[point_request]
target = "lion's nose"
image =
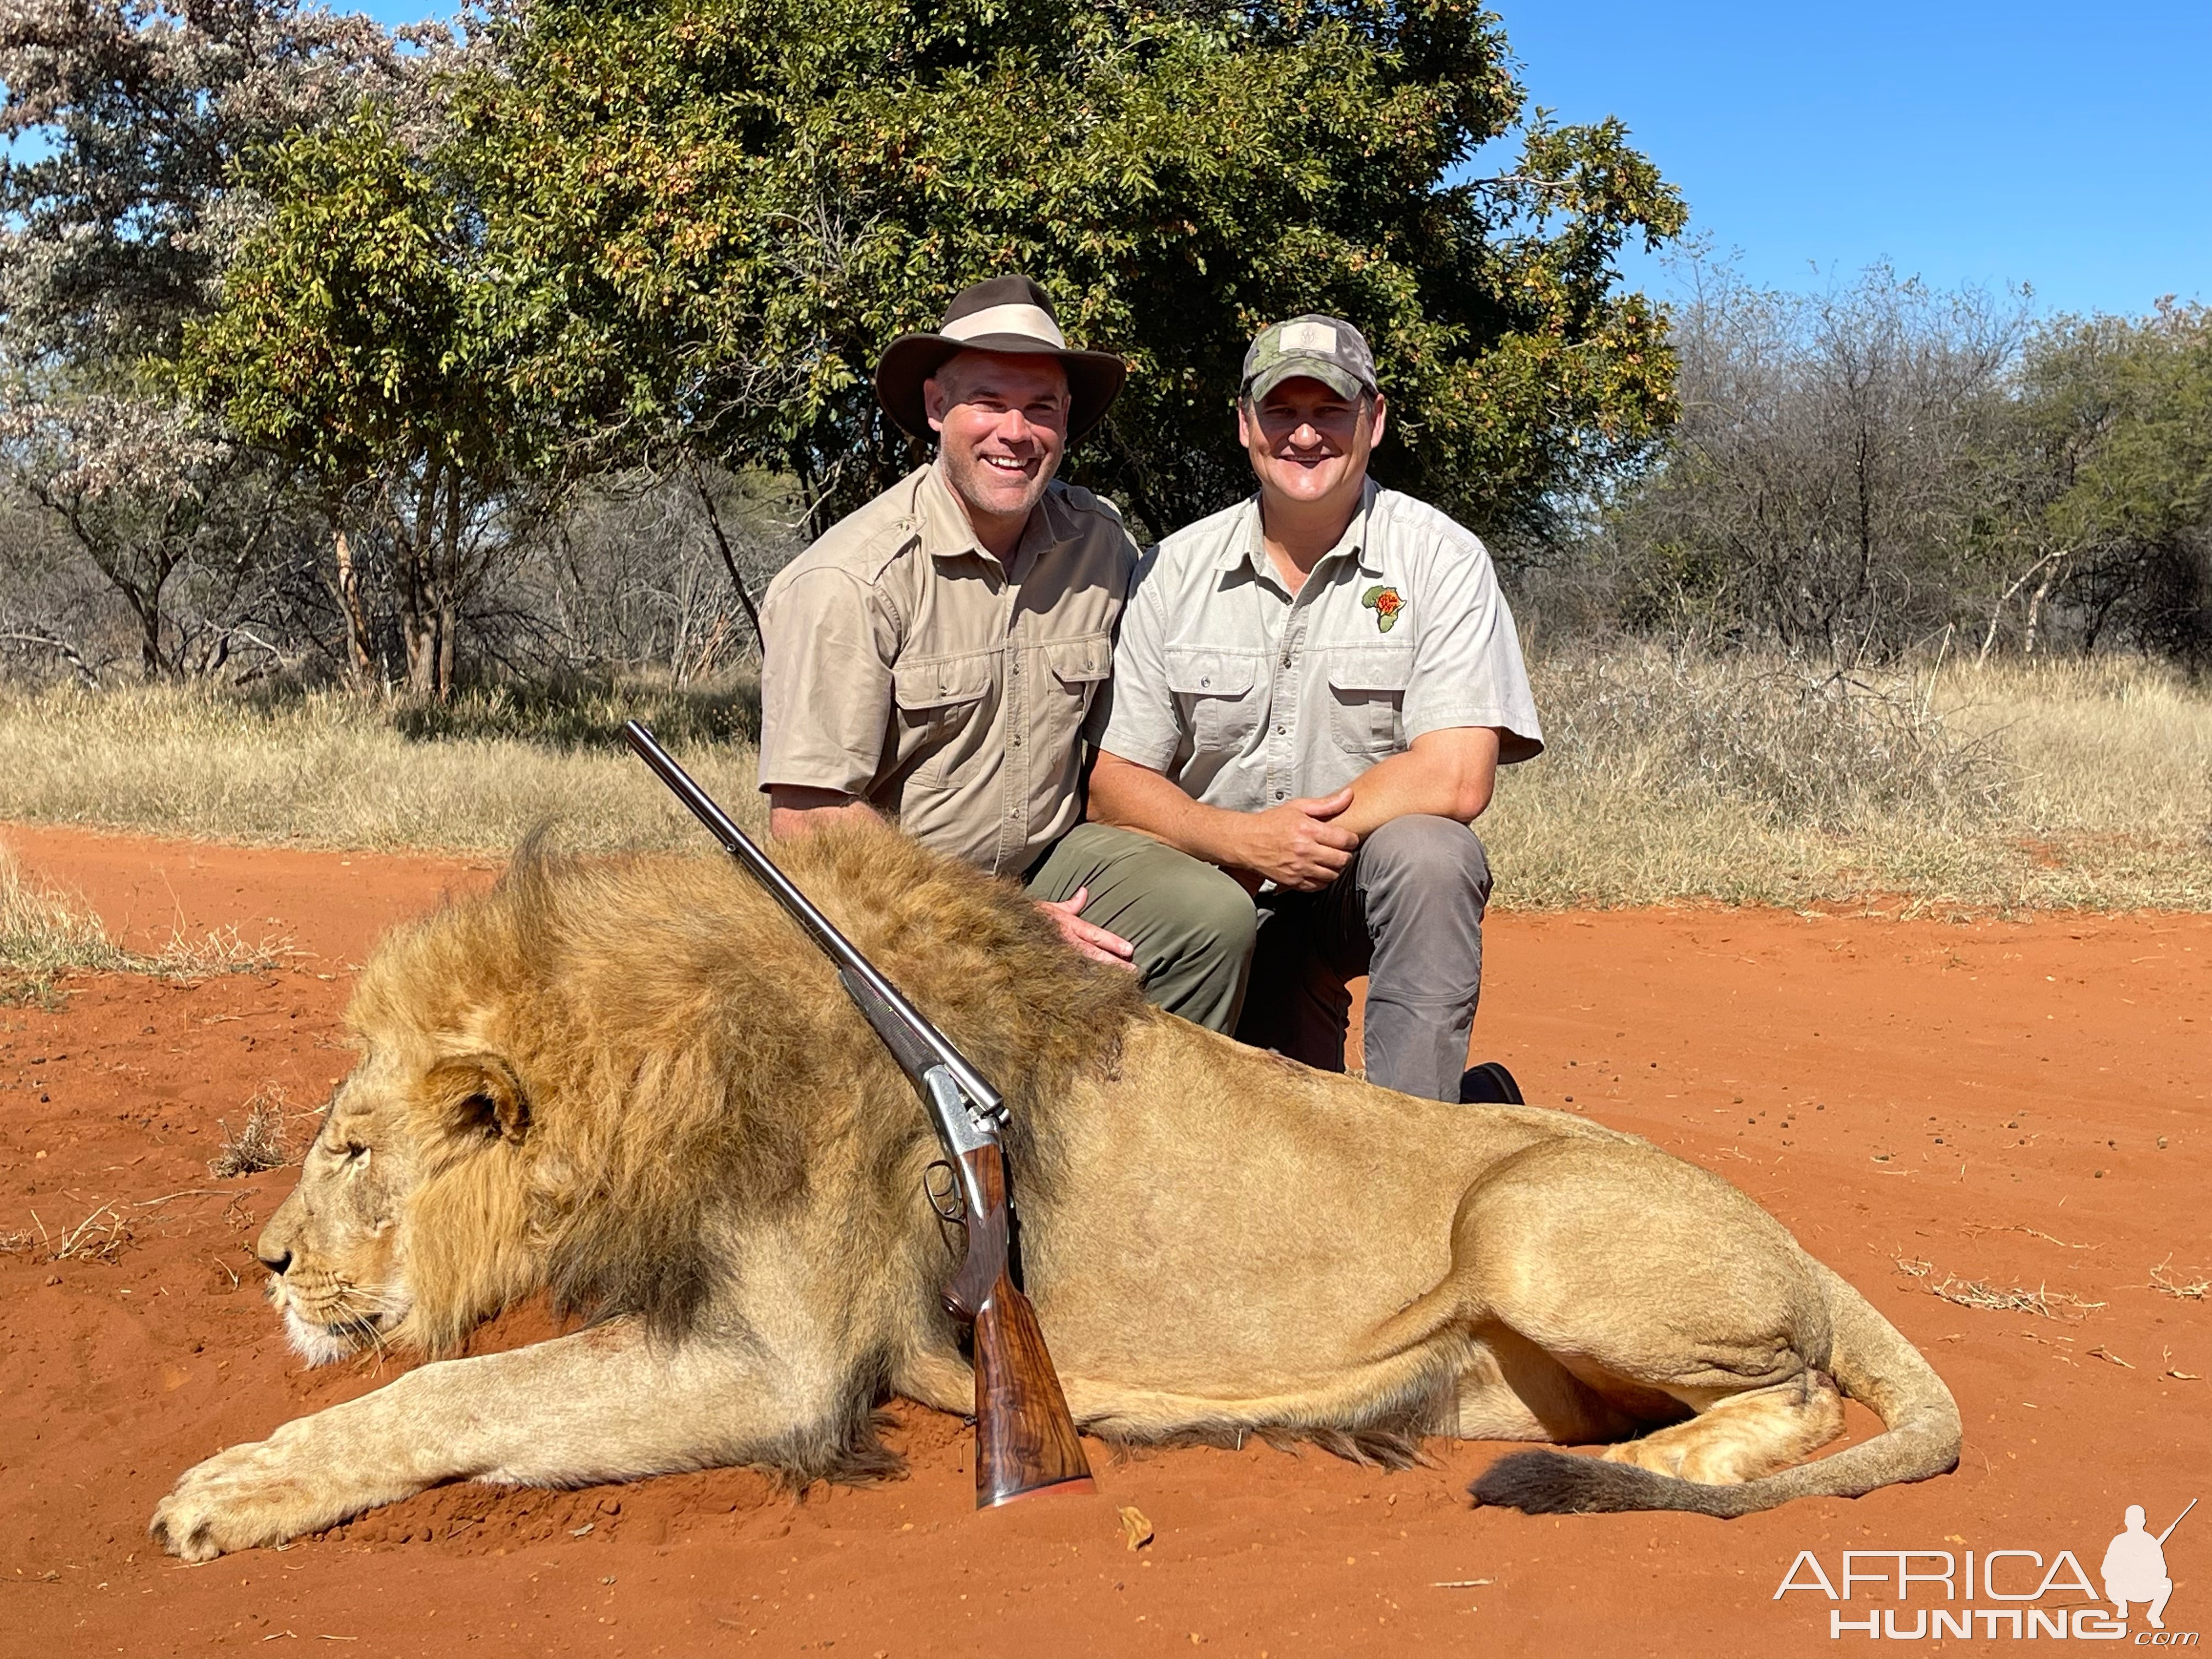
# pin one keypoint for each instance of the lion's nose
(275, 1257)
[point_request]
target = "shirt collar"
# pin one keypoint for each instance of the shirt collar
(1243, 548)
(947, 533)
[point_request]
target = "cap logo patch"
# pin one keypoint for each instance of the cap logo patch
(1386, 603)
(1309, 337)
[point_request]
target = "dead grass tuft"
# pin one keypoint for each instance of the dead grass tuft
(101, 1236)
(2042, 1301)
(2186, 1290)
(259, 1142)
(221, 951)
(44, 933)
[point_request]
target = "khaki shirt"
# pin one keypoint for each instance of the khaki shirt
(1247, 696)
(906, 665)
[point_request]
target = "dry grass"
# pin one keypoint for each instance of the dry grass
(101, 1236)
(328, 770)
(45, 933)
(2011, 787)
(2042, 1301)
(2184, 1290)
(1745, 781)
(258, 1143)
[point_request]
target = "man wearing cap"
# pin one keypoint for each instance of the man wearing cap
(937, 656)
(1313, 689)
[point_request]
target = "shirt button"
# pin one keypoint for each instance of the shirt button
(1282, 731)
(1279, 794)
(1203, 685)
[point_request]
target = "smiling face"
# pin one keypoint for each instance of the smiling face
(1002, 422)
(1309, 443)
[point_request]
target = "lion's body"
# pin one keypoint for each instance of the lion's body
(637, 1086)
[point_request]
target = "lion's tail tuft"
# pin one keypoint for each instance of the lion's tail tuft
(1557, 1483)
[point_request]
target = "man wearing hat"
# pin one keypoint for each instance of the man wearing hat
(1313, 689)
(938, 656)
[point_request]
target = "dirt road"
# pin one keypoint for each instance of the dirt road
(2022, 1104)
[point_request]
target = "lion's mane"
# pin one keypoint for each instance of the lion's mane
(624, 1063)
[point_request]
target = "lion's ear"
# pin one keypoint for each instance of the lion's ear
(482, 1095)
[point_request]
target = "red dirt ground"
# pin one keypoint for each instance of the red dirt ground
(2021, 1103)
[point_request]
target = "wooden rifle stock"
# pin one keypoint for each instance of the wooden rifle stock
(1025, 1441)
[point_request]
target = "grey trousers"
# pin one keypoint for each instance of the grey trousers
(1192, 925)
(1407, 913)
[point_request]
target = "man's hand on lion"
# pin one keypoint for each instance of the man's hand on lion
(1088, 938)
(1296, 845)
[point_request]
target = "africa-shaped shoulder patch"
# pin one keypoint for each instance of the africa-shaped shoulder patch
(1386, 603)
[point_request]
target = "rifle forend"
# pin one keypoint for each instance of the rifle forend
(1025, 1440)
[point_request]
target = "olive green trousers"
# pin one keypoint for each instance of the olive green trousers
(1192, 926)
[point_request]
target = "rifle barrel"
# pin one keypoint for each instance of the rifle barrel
(2178, 1520)
(741, 847)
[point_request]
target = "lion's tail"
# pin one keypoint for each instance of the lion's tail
(1872, 1363)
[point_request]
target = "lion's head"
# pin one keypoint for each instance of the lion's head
(407, 1118)
(590, 1078)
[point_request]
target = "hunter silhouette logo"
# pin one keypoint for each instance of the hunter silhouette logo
(2022, 1595)
(2135, 1566)
(1386, 603)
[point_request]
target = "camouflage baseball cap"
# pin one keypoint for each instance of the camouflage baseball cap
(1326, 348)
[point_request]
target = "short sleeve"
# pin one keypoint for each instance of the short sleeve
(1140, 722)
(1467, 669)
(825, 682)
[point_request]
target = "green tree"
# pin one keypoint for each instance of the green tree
(124, 121)
(712, 213)
(361, 339)
(2116, 421)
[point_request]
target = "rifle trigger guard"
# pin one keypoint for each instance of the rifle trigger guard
(945, 1202)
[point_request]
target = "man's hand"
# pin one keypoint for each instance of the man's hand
(1296, 844)
(1091, 939)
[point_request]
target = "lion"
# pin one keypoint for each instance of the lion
(632, 1085)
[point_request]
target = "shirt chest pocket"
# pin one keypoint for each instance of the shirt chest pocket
(941, 709)
(1367, 698)
(1217, 695)
(1079, 666)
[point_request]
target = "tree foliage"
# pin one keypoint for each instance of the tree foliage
(359, 339)
(125, 122)
(1858, 470)
(713, 214)
(2116, 419)
(1831, 486)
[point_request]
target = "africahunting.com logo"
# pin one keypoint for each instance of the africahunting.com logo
(1998, 1594)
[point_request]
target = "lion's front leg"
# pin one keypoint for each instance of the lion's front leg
(601, 1405)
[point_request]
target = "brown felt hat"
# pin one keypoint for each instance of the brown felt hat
(1007, 314)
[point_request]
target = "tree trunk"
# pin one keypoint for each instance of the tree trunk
(358, 664)
(418, 601)
(722, 546)
(2035, 614)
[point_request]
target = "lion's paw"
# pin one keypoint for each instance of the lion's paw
(242, 1499)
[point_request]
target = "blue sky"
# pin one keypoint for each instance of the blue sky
(2066, 146)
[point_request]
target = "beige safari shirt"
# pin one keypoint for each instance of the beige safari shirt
(1247, 696)
(906, 665)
